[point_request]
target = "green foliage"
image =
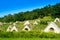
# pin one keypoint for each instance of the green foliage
(50, 10)
(43, 22)
(28, 34)
(29, 38)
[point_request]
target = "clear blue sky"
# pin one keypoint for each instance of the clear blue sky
(14, 6)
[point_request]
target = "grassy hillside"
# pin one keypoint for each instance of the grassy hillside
(40, 26)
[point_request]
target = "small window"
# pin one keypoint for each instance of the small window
(56, 20)
(9, 28)
(13, 30)
(51, 29)
(26, 29)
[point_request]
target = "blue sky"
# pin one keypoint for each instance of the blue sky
(15, 6)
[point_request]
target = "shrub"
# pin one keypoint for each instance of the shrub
(28, 34)
(43, 22)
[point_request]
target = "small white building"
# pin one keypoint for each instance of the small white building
(57, 20)
(14, 29)
(26, 28)
(10, 23)
(4, 23)
(38, 20)
(27, 23)
(17, 21)
(35, 23)
(9, 28)
(1, 23)
(14, 24)
(52, 27)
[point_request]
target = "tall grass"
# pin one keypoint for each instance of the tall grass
(29, 39)
(28, 34)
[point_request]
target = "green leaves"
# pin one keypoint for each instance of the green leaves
(28, 34)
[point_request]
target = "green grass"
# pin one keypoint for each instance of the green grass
(20, 24)
(29, 39)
